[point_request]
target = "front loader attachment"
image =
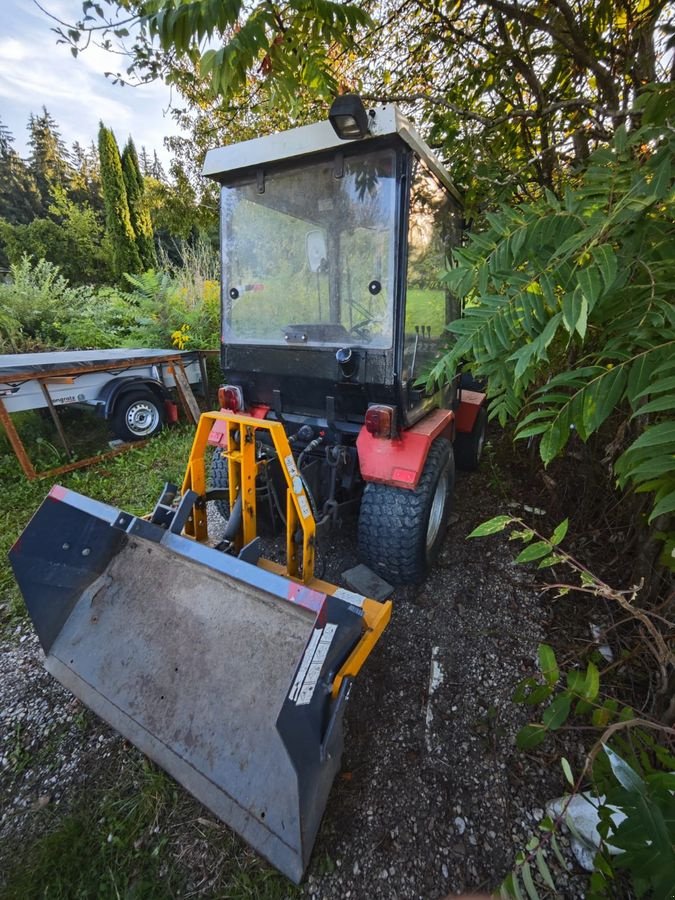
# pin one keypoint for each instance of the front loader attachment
(230, 676)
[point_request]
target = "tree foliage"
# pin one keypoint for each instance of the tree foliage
(125, 255)
(48, 161)
(569, 311)
(138, 208)
(515, 95)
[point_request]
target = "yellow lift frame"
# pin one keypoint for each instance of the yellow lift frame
(243, 468)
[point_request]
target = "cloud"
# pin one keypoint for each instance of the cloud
(35, 71)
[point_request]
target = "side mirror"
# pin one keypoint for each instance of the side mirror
(315, 244)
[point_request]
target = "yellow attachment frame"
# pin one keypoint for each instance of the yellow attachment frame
(243, 468)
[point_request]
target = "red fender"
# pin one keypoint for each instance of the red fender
(400, 461)
(470, 403)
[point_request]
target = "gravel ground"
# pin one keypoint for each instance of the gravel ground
(433, 797)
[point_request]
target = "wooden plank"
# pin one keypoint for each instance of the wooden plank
(55, 417)
(185, 394)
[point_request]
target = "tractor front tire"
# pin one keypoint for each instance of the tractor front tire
(219, 479)
(401, 531)
(469, 446)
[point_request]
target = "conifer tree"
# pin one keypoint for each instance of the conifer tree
(48, 161)
(19, 197)
(118, 219)
(138, 208)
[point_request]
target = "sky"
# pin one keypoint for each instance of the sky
(35, 71)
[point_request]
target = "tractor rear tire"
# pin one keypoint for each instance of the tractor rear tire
(469, 446)
(401, 531)
(219, 479)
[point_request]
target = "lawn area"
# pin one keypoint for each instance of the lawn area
(113, 825)
(132, 481)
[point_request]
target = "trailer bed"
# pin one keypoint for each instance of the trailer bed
(24, 365)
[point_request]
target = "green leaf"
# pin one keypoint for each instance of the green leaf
(492, 526)
(591, 284)
(605, 259)
(556, 849)
(553, 560)
(530, 736)
(557, 713)
(529, 883)
(591, 682)
(665, 505)
(533, 551)
(567, 769)
(548, 664)
(655, 436)
(659, 404)
(544, 870)
(560, 532)
(624, 774)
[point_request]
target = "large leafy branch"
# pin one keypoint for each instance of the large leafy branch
(568, 307)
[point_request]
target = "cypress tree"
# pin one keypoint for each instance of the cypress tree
(138, 209)
(118, 219)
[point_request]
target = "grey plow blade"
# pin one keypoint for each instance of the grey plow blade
(218, 670)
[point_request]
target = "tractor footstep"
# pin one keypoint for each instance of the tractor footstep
(366, 582)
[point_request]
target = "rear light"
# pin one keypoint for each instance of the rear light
(231, 398)
(381, 421)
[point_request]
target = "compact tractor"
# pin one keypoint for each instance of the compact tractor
(231, 670)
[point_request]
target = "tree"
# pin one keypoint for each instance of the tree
(48, 160)
(19, 198)
(125, 256)
(85, 182)
(138, 208)
(515, 94)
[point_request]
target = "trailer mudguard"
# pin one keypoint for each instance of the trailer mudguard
(113, 389)
(400, 461)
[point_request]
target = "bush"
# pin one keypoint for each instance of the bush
(33, 303)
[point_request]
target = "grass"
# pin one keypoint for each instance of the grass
(138, 836)
(132, 481)
(135, 833)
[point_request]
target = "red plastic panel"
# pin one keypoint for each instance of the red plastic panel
(400, 461)
(218, 434)
(469, 406)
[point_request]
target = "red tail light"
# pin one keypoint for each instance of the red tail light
(381, 421)
(231, 398)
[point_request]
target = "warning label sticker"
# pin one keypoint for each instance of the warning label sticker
(290, 465)
(304, 506)
(310, 667)
(349, 596)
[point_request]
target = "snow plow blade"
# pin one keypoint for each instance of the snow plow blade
(231, 677)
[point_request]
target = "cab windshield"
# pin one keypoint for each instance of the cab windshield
(309, 254)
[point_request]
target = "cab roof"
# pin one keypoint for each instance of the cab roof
(223, 162)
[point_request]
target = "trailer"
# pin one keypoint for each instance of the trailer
(131, 389)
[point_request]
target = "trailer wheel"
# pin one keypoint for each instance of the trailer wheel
(137, 415)
(469, 447)
(401, 531)
(219, 478)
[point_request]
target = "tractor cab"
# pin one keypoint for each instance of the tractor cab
(334, 243)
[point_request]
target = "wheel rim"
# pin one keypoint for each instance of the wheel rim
(142, 418)
(437, 509)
